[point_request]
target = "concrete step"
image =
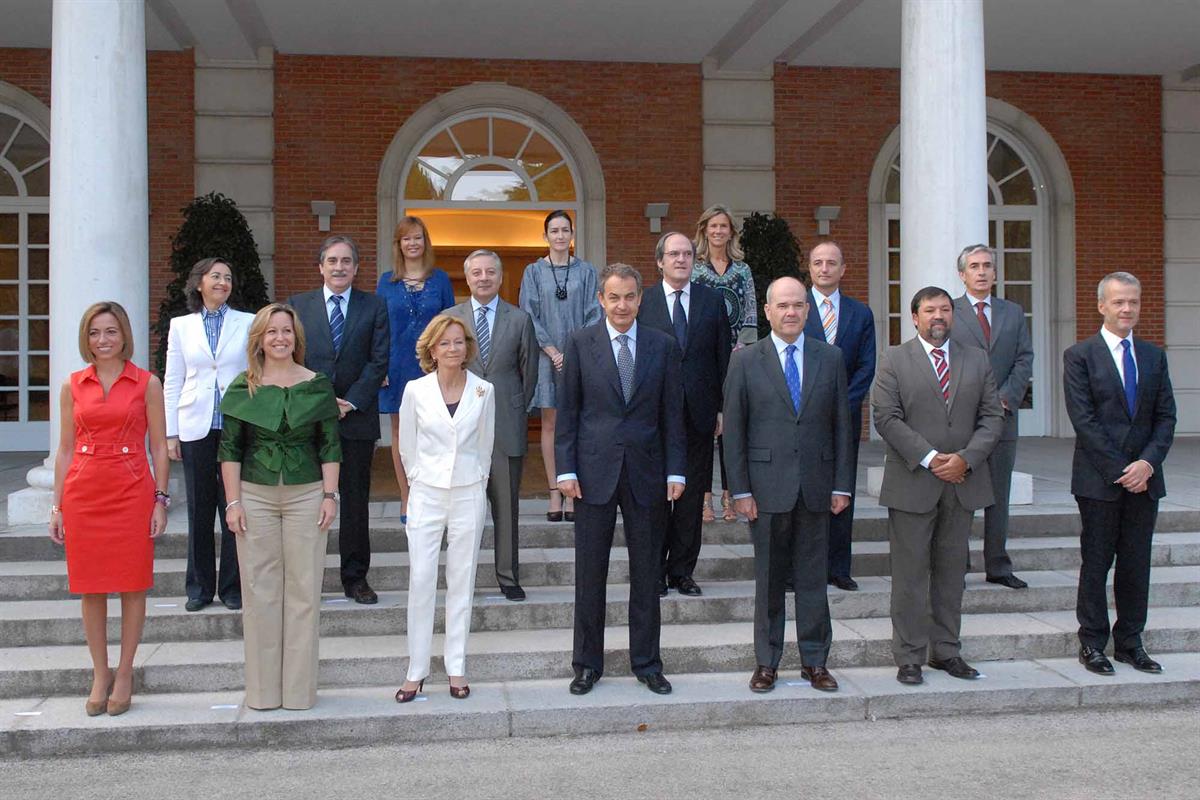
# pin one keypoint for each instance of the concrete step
(30, 543)
(47, 580)
(546, 653)
(56, 622)
(37, 726)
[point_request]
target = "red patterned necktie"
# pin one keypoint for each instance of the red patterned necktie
(942, 367)
(983, 323)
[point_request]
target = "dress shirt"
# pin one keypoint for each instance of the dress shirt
(212, 331)
(491, 307)
(987, 305)
(929, 354)
(345, 303)
(835, 298)
(669, 292)
(1117, 352)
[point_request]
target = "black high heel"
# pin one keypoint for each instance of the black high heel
(555, 516)
(407, 697)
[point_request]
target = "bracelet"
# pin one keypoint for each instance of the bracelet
(55, 510)
(233, 503)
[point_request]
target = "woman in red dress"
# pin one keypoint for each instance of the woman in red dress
(109, 507)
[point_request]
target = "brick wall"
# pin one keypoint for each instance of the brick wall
(830, 124)
(335, 116)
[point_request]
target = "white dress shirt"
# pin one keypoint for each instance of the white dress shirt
(491, 307)
(929, 354)
(1117, 352)
(669, 293)
(987, 305)
(345, 303)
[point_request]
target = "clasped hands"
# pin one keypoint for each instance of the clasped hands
(1135, 477)
(571, 489)
(949, 467)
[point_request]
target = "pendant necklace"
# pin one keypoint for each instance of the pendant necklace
(560, 290)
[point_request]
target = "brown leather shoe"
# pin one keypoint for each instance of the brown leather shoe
(820, 678)
(763, 680)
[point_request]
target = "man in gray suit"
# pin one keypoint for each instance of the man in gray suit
(507, 359)
(998, 327)
(937, 409)
(789, 460)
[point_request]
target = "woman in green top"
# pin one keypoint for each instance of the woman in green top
(280, 455)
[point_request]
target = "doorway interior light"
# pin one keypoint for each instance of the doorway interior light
(323, 210)
(655, 213)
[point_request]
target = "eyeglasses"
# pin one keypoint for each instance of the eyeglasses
(674, 255)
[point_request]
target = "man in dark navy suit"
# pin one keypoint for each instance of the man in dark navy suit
(835, 318)
(1119, 397)
(619, 443)
(346, 337)
(695, 315)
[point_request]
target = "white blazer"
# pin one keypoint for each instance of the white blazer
(443, 451)
(192, 370)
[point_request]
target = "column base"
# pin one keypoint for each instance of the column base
(31, 505)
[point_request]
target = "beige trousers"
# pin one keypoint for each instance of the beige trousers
(282, 561)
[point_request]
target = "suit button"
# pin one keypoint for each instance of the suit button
(83, 449)
(124, 449)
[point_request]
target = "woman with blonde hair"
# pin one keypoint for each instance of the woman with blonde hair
(109, 503)
(447, 426)
(280, 457)
(415, 291)
(719, 264)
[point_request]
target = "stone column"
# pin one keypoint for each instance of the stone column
(99, 202)
(943, 143)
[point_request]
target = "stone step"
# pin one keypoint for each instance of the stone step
(47, 580)
(29, 543)
(37, 726)
(56, 622)
(546, 653)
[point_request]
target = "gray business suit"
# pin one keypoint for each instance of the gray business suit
(791, 463)
(929, 520)
(1011, 356)
(512, 369)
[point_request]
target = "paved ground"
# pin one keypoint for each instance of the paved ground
(1119, 754)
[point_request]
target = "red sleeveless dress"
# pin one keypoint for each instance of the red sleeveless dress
(108, 493)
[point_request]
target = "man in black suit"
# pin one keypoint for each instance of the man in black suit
(1119, 398)
(346, 335)
(620, 443)
(838, 319)
(787, 456)
(695, 315)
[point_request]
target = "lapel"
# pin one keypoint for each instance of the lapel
(231, 329)
(641, 359)
(1142, 373)
(924, 366)
(955, 376)
(319, 316)
(1110, 368)
(812, 368)
(602, 354)
(499, 328)
(971, 321)
(353, 316)
(769, 365)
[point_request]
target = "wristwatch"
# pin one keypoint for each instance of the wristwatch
(334, 496)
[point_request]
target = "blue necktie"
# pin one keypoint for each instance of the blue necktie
(679, 321)
(791, 374)
(1130, 369)
(337, 322)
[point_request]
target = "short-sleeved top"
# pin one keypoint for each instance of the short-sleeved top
(741, 303)
(287, 431)
(554, 319)
(409, 311)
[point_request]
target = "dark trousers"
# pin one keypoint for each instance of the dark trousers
(206, 499)
(681, 542)
(791, 546)
(354, 531)
(841, 526)
(594, 523)
(503, 492)
(996, 561)
(721, 462)
(1120, 530)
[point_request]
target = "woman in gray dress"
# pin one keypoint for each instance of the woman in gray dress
(559, 292)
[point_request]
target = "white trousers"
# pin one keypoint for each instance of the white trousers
(460, 512)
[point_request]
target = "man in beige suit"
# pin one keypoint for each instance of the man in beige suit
(940, 415)
(507, 359)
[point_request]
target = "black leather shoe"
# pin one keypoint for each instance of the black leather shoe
(910, 674)
(196, 605)
(233, 603)
(514, 592)
(1095, 661)
(1139, 660)
(585, 679)
(656, 682)
(662, 588)
(844, 582)
(1011, 581)
(362, 593)
(685, 586)
(956, 667)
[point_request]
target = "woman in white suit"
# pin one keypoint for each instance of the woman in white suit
(206, 350)
(447, 423)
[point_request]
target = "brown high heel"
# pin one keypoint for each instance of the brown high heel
(407, 697)
(727, 512)
(95, 708)
(116, 708)
(460, 692)
(708, 516)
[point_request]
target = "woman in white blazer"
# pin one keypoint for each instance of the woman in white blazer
(206, 350)
(447, 424)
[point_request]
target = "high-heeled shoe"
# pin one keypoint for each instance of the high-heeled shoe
(116, 708)
(727, 512)
(95, 708)
(555, 516)
(460, 692)
(407, 697)
(708, 515)
(569, 514)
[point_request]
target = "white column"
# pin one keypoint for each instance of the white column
(99, 203)
(943, 152)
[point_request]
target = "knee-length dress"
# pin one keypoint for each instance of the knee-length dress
(408, 313)
(554, 319)
(108, 493)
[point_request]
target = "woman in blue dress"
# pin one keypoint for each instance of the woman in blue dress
(415, 292)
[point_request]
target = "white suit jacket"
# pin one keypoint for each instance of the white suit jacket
(192, 369)
(443, 451)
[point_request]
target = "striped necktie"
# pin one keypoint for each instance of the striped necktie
(942, 367)
(484, 334)
(337, 322)
(829, 320)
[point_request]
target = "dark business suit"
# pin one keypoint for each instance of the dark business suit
(929, 520)
(622, 453)
(1010, 352)
(512, 368)
(791, 463)
(856, 339)
(1115, 522)
(705, 350)
(357, 370)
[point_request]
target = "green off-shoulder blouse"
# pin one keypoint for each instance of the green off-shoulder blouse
(289, 431)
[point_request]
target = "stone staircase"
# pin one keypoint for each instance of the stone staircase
(519, 657)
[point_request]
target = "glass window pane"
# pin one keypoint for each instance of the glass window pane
(37, 182)
(27, 149)
(7, 126)
(39, 298)
(424, 184)
(8, 264)
(556, 184)
(39, 370)
(1022, 294)
(9, 331)
(8, 187)
(991, 233)
(9, 408)
(893, 266)
(39, 406)
(472, 137)
(1017, 233)
(39, 334)
(39, 228)
(490, 183)
(1020, 191)
(9, 229)
(507, 137)
(893, 298)
(9, 299)
(441, 153)
(8, 370)
(1004, 161)
(893, 233)
(39, 263)
(991, 196)
(893, 330)
(891, 194)
(1018, 266)
(539, 154)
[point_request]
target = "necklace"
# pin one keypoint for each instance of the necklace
(560, 291)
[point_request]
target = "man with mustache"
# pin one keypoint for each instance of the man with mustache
(939, 413)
